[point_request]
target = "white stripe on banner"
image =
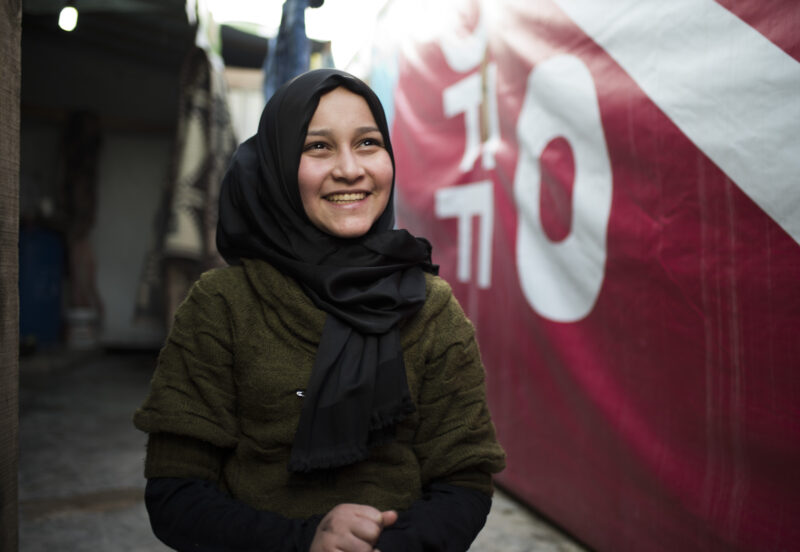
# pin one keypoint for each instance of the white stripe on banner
(731, 91)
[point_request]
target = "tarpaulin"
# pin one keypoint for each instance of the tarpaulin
(613, 190)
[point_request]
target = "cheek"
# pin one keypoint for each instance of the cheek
(384, 174)
(308, 182)
(385, 187)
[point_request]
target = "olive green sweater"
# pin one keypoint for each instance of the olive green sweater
(226, 397)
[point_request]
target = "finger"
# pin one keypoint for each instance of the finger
(346, 541)
(389, 517)
(351, 543)
(372, 514)
(366, 530)
(361, 522)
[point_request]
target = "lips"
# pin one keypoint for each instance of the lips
(346, 198)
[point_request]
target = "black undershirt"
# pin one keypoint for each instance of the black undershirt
(192, 515)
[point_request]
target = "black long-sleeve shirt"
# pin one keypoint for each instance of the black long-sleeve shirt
(193, 515)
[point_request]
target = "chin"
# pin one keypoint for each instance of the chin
(349, 232)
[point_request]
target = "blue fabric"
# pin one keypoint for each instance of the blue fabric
(289, 52)
(41, 270)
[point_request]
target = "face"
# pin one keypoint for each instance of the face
(345, 174)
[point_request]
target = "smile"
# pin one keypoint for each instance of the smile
(346, 198)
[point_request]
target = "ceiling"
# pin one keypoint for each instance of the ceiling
(41, 7)
(156, 32)
(152, 32)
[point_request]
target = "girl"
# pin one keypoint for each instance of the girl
(325, 391)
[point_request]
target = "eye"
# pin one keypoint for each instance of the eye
(315, 146)
(371, 141)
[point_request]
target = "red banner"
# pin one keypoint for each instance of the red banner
(612, 189)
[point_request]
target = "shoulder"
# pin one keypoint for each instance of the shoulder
(217, 288)
(246, 279)
(441, 316)
(438, 293)
(221, 278)
(224, 282)
(440, 300)
(255, 286)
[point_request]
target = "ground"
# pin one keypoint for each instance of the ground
(81, 485)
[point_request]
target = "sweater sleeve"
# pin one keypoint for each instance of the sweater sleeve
(455, 441)
(192, 392)
(192, 515)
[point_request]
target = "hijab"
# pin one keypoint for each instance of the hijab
(357, 391)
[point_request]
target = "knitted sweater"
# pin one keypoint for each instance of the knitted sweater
(227, 395)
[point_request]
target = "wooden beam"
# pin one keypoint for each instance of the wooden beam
(10, 68)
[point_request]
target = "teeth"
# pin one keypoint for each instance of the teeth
(345, 198)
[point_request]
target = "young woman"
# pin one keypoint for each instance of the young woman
(324, 392)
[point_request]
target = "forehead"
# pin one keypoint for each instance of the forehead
(340, 106)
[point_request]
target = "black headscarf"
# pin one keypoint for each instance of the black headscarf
(358, 389)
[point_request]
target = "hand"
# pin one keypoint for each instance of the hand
(351, 528)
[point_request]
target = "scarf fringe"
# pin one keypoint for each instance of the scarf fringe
(391, 414)
(381, 431)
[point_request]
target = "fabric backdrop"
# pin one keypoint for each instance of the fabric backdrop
(612, 189)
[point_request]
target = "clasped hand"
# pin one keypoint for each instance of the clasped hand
(351, 528)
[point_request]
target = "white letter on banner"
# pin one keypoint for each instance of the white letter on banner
(464, 52)
(561, 281)
(492, 143)
(465, 97)
(466, 201)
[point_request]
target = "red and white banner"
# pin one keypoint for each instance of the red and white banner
(613, 190)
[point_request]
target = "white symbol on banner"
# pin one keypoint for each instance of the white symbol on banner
(467, 97)
(561, 280)
(464, 52)
(475, 96)
(744, 111)
(466, 201)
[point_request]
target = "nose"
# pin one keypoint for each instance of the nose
(347, 167)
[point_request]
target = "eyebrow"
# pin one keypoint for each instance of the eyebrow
(328, 132)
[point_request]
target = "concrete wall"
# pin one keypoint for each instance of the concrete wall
(137, 103)
(133, 170)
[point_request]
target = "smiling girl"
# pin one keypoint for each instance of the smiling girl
(324, 392)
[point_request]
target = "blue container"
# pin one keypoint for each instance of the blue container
(41, 271)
